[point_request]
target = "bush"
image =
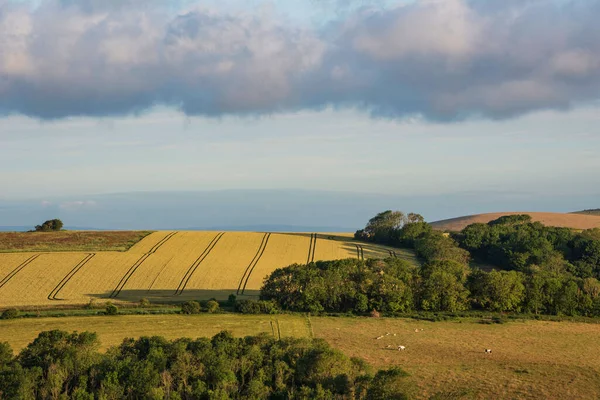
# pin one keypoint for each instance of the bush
(191, 307)
(256, 307)
(111, 309)
(212, 306)
(144, 302)
(10, 313)
(231, 300)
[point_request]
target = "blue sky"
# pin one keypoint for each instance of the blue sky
(404, 98)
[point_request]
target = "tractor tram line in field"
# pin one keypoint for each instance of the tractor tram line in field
(18, 269)
(360, 252)
(117, 290)
(67, 278)
(253, 263)
(188, 275)
(311, 248)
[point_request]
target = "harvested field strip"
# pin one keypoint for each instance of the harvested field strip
(67, 278)
(18, 269)
(188, 275)
(252, 265)
(137, 264)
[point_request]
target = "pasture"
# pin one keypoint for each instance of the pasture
(530, 359)
(169, 267)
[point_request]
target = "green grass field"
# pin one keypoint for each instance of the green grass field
(530, 359)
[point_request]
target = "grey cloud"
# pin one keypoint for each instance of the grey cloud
(442, 59)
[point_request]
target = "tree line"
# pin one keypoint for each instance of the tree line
(62, 365)
(539, 270)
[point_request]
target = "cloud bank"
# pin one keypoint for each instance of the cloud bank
(440, 59)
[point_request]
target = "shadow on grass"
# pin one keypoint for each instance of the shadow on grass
(168, 296)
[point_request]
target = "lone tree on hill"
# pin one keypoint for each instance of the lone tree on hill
(50, 226)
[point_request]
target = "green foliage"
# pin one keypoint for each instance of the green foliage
(144, 302)
(49, 226)
(10, 313)
(251, 306)
(191, 307)
(111, 309)
(231, 300)
(62, 365)
(394, 228)
(212, 306)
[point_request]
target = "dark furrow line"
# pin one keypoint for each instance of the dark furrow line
(158, 275)
(314, 248)
(252, 262)
(197, 262)
(362, 253)
(136, 265)
(357, 252)
(68, 276)
(309, 249)
(193, 269)
(18, 269)
(256, 263)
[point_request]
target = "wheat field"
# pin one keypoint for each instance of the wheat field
(169, 266)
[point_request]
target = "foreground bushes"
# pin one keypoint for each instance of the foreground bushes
(62, 365)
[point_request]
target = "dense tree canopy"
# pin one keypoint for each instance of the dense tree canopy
(49, 226)
(65, 365)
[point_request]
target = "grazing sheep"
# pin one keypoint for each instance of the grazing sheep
(401, 348)
(379, 337)
(416, 330)
(488, 351)
(388, 346)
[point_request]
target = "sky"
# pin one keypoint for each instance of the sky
(409, 98)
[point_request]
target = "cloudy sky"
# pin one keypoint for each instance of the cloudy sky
(427, 97)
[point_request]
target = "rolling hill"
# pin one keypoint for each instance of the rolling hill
(168, 266)
(574, 221)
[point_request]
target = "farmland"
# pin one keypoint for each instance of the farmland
(69, 241)
(530, 359)
(577, 221)
(167, 266)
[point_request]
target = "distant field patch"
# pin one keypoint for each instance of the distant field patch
(69, 241)
(574, 221)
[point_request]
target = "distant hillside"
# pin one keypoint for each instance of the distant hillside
(575, 221)
(594, 211)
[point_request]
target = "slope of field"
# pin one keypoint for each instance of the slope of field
(170, 267)
(574, 221)
(530, 359)
(595, 211)
(70, 241)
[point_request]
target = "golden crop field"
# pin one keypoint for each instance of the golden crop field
(530, 359)
(169, 266)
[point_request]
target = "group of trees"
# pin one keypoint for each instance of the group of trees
(516, 243)
(50, 226)
(59, 365)
(538, 269)
(396, 286)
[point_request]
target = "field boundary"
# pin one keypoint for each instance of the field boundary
(188, 274)
(117, 290)
(52, 295)
(18, 269)
(254, 262)
(311, 248)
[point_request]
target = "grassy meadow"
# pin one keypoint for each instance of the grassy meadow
(530, 359)
(69, 241)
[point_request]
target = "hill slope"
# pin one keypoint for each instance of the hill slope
(595, 211)
(575, 221)
(169, 266)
